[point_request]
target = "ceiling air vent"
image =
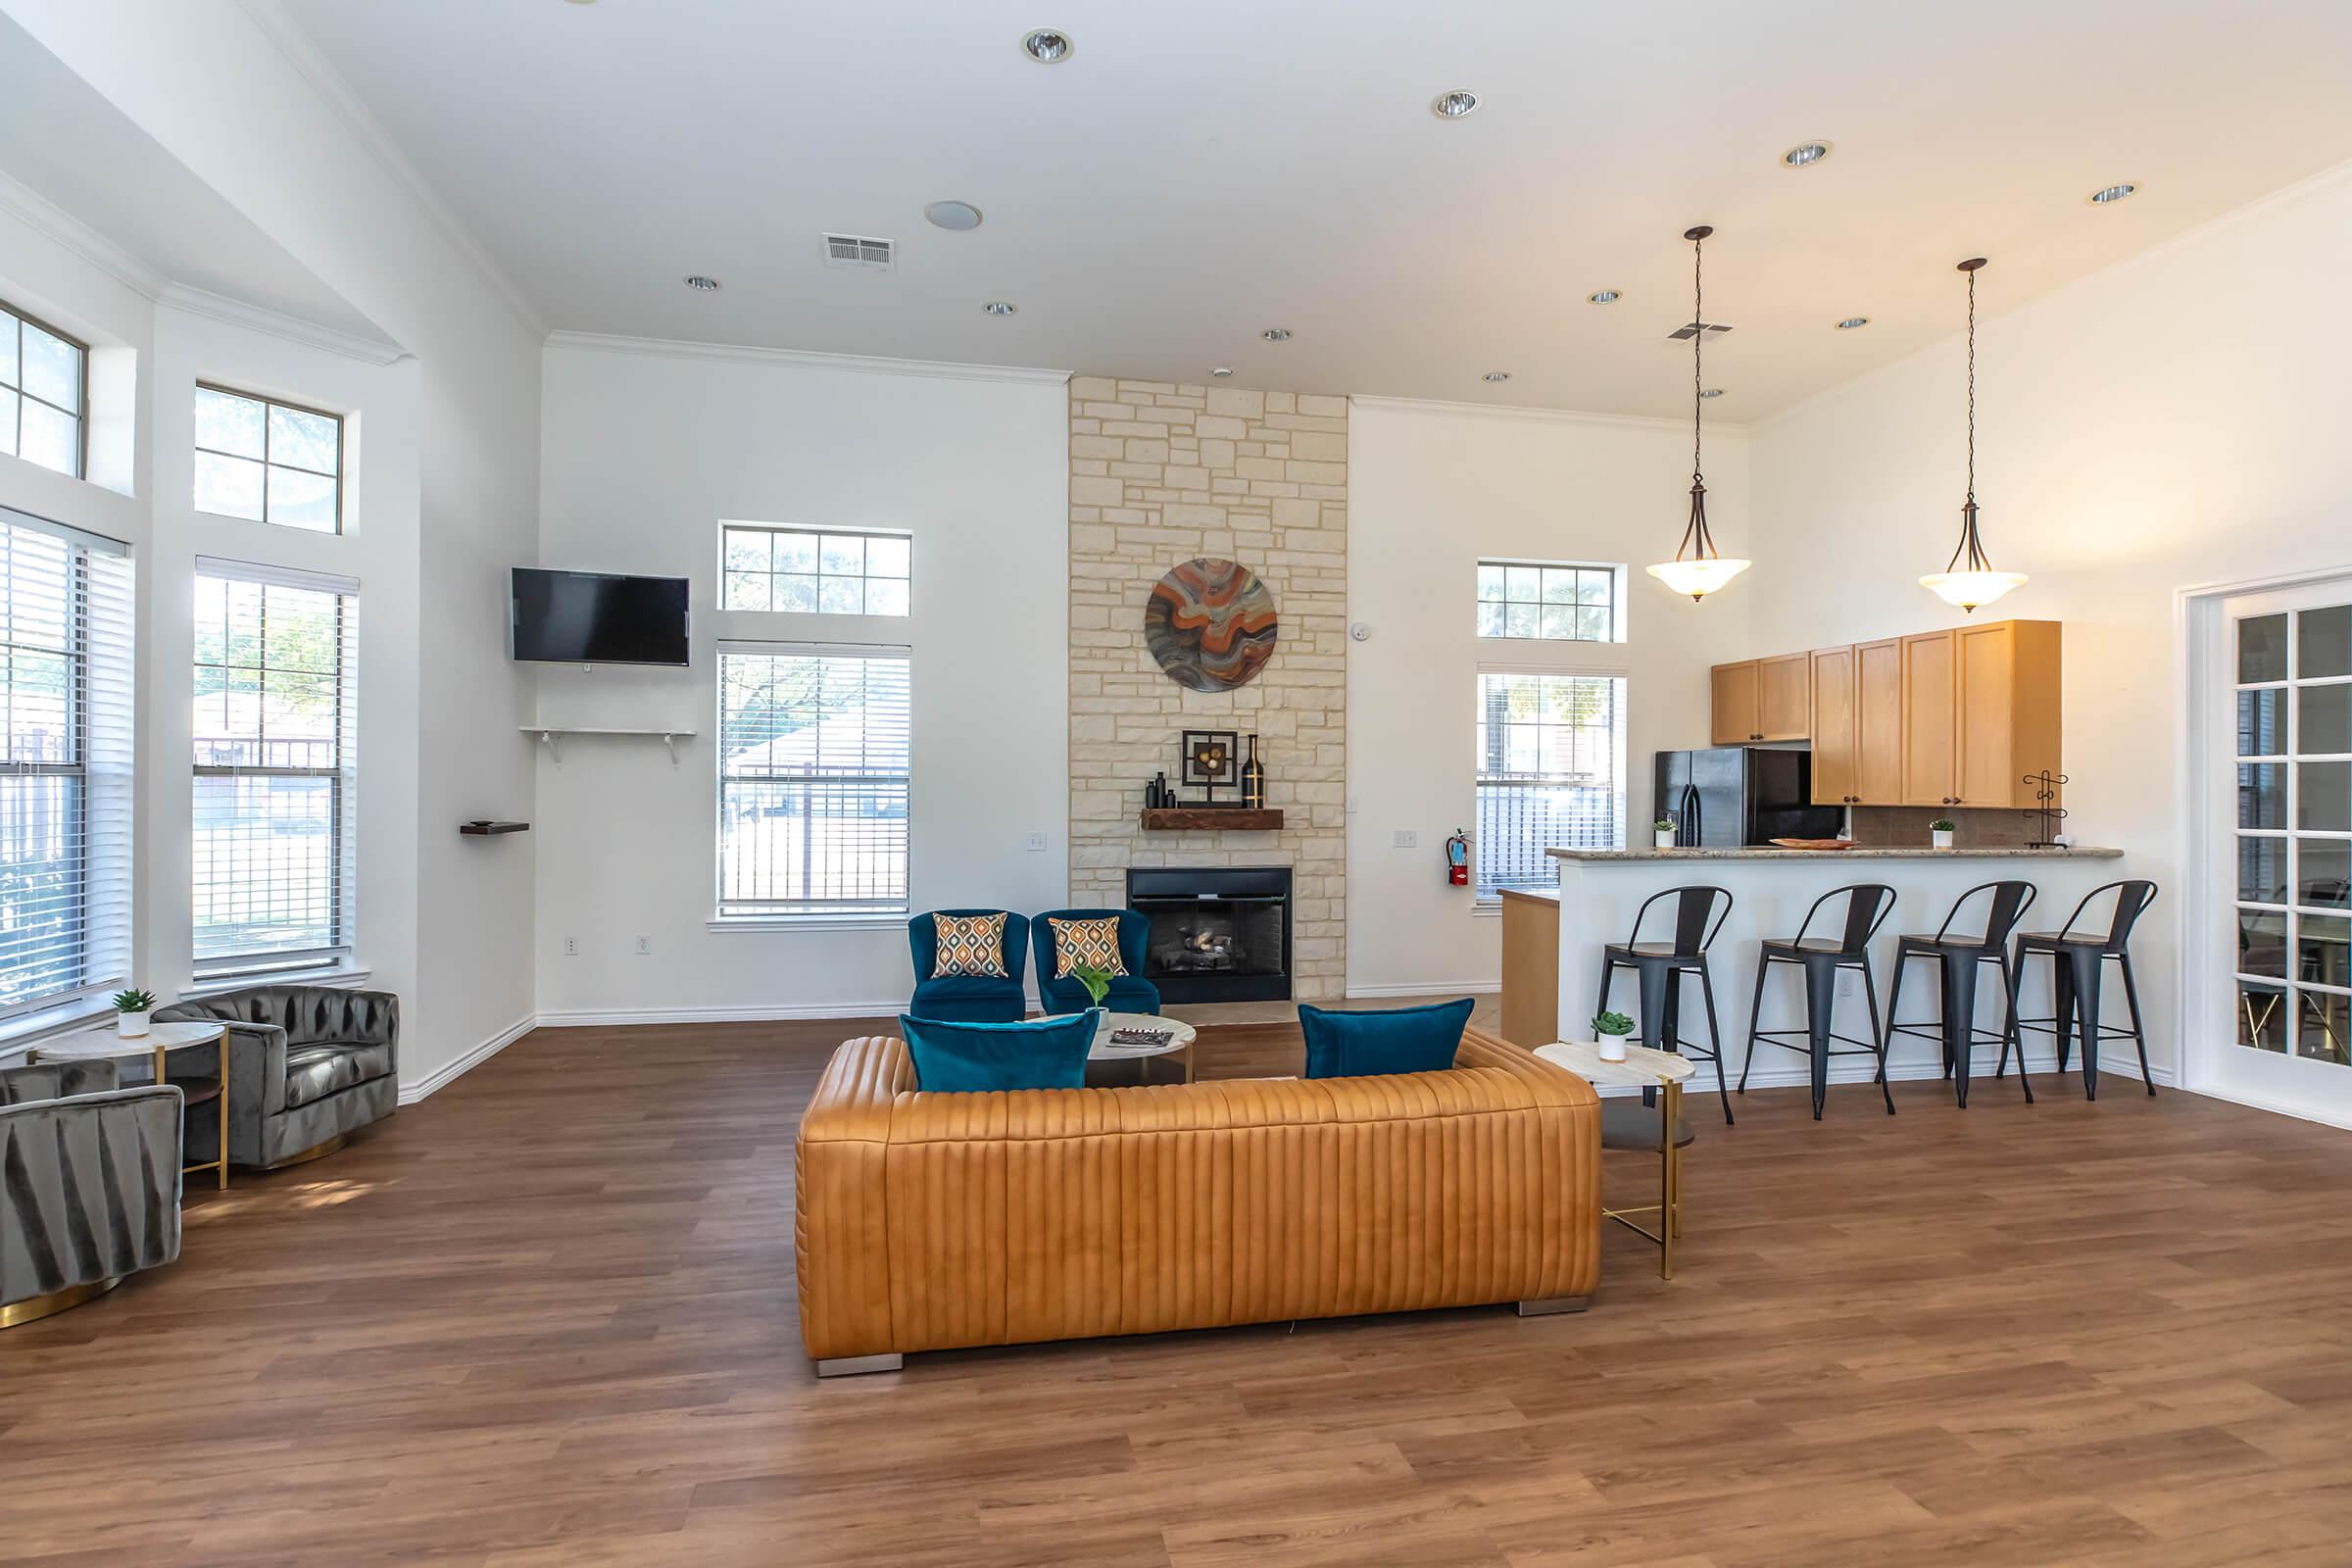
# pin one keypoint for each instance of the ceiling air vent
(1691, 329)
(855, 251)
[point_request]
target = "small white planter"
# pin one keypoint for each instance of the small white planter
(1612, 1048)
(1665, 840)
(134, 1025)
(1943, 838)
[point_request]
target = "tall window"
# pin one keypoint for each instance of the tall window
(275, 837)
(813, 775)
(829, 572)
(1553, 603)
(65, 764)
(1550, 772)
(44, 385)
(268, 462)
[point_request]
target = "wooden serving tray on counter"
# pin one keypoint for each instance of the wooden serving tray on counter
(1814, 843)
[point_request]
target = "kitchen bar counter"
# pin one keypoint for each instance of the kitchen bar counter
(1860, 851)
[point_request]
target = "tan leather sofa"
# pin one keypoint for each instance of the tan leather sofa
(931, 1221)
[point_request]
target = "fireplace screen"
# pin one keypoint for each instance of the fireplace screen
(1219, 934)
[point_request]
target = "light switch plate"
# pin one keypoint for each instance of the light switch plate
(1037, 840)
(1406, 839)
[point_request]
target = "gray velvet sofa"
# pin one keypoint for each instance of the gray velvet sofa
(307, 1065)
(89, 1184)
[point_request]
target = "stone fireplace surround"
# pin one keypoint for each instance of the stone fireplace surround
(1161, 472)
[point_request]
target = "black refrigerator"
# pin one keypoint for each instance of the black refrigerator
(1729, 796)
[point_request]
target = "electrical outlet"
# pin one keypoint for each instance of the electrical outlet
(645, 947)
(571, 947)
(1406, 839)
(1037, 840)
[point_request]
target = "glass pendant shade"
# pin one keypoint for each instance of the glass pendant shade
(1698, 578)
(1968, 589)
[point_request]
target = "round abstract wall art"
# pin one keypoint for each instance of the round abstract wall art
(1210, 624)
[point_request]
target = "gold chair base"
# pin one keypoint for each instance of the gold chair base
(304, 1156)
(34, 1308)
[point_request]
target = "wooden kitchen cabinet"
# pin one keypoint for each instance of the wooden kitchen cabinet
(1763, 700)
(1835, 742)
(1981, 711)
(1930, 701)
(1878, 722)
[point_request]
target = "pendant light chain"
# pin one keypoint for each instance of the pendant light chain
(1972, 386)
(1698, 338)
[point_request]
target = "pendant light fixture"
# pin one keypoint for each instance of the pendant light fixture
(1968, 578)
(1697, 569)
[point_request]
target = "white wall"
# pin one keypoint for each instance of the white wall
(2175, 420)
(645, 449)
(1436, 487)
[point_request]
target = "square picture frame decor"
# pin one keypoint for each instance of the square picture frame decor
(1211, 758)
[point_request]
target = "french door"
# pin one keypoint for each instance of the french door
(2284, 669)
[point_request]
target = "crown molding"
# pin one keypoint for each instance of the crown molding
(345, 103)
(39, 213)
(279, 324)
(803, 358)
(1496, 410)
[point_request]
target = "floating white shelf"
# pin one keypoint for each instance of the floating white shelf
(550, 737)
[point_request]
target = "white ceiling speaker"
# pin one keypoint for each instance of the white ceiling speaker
(954, 216)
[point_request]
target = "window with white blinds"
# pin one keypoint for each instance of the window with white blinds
(814, 756)
(276, 769)
(66, 771)
(1550, 772)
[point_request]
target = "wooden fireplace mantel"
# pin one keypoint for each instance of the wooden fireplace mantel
(1209, 819)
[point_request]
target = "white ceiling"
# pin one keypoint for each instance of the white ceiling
(1200, 170)
(64, 142)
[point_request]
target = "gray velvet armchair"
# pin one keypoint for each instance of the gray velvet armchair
(89, 1184)
(307, 1065)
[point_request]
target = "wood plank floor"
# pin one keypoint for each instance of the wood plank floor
(546, 1317)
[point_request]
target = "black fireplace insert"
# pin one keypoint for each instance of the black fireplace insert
(1218, 933)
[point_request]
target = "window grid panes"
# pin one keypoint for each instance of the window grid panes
(815, 757)
(276, 718)
(267, 462)
(1550, 773)
(1555, 602)
(2294, 833)
(828, 571)
(44, 394)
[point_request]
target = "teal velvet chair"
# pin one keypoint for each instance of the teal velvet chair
(1129, 992)
(968, 999)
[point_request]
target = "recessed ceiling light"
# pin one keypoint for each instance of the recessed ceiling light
(1711, 392)
(956, 216)
(1222, 371)
(1604, 296)
(1497, 375)
(1453, 105)
(1001, 308)
(1805, 154)
(708, 285)
(1852, 322)
(1047, 46)
(2113, 193)
(1276, 334)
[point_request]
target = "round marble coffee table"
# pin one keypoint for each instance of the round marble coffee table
(1180, 1038)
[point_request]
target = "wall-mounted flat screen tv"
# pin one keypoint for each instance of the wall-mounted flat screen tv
(597, 618)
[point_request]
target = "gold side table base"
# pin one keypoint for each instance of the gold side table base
(303, 1156)
(34, 1308)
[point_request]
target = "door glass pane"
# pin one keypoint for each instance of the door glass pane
(2262, 871)
(2326, 639)
(2326, 805)
(2262, 943)
(2325, 713)
(2321, 869)
(2262, 1017)
(2261, 724)
(2262, 795)
(2322, 942)
(2321, 1030)
(2261, 649)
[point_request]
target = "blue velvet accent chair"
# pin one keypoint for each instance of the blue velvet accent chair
(1129, 992)
(968, 999)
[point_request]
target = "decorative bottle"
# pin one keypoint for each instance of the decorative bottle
(1253, 780)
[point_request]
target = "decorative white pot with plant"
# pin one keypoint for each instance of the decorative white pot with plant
(1942, 828)
(1096, 983)
(1664, 828)
(134, 1012)
(1613, 1028)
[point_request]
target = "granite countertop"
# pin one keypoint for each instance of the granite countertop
(1860, 851)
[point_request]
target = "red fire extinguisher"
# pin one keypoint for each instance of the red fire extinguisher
(1457, 859)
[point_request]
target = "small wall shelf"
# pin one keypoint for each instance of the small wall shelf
(488, 830)
(551, 737)
(1209, 820)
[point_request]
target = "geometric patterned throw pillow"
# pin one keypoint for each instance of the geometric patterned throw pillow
(1088, 941)
(970, 945)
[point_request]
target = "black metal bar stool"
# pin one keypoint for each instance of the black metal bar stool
(1659, 968)
(2078, 959)
(1867, 906)
(1959, 960)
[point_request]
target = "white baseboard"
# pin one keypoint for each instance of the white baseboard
(1465, 988)
(449, 1072)
(592, 1018)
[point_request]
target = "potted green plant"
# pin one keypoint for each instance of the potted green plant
(1612, 1027)
(1096, 983)
(134, 1012)
(1942, 828)
(1663, 827)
